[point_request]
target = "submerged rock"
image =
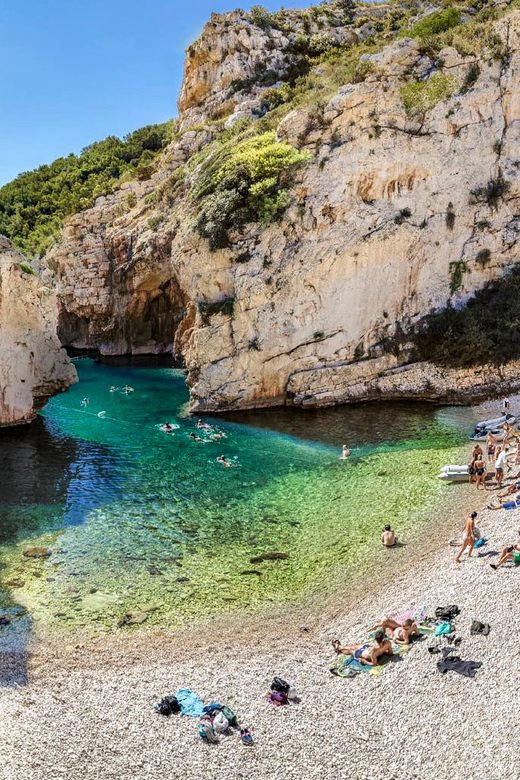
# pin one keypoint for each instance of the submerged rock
(37, 552)
(132, 619)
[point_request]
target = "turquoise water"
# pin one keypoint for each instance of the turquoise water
(141, 520)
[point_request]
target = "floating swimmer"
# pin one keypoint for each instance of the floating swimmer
(218, 435)
(167, 427)
(127, 390)
(101, 414)
(113, 389)
(345, 452)
(194, 437)
(202, 424)
(84, 403)
(227, 463)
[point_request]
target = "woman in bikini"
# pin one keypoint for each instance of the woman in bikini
(480, 471)
(399, 632)
(469, 537)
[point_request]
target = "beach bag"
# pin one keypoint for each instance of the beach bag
(447, 613)
(280, 685)
(220, 723)
(167, 705)
(230, 716)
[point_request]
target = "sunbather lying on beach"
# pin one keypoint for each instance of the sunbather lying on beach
(366, 654)
(509, 553)
(399, 632)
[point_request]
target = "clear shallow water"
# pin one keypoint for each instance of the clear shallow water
(143, 520)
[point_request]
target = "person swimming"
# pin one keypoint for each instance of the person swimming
(201, 425)
(227, 463)
(345, 452)
(84, 403)
(218, 435)
(194, 437)
(112, 389)
(167, 427)
(127, 390)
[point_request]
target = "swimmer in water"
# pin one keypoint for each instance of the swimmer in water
(127, 390)
(84, 403)
(194, 437)
(167, 427)
(218, 435)
(345, 452)
(227, 463)
(112, 389)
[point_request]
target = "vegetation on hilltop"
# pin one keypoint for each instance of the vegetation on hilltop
(34, 205)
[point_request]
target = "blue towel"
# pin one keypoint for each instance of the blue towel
(190, 703)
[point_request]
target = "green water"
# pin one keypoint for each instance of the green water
(141, 520)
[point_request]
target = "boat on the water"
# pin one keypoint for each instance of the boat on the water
(498, 422)
(481, 435)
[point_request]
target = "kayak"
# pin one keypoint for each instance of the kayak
(498, 422)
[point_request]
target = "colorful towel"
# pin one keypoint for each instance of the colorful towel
(190, 703)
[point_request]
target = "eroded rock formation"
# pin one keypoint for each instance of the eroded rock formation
(381, 228)
(33, 366)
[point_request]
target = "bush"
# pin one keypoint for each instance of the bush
(208, 309)
(491, 193)
(487, 329)
(242, 182)
(27, 269)
(483, 256)
(450, 217)
(154, 222)
(261, 17)
(435, 23)
(421, 96)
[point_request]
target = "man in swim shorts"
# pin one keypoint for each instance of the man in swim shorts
(367, 654)
(500, 463)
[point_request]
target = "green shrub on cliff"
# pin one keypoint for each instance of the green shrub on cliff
(421, 96)
(243, 181)
(486, 330)
(34, 205)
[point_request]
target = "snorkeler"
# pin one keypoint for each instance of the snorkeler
(127, 390)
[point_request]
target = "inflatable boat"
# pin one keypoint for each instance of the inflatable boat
(481, 435)
(498, 422)
(454, 473)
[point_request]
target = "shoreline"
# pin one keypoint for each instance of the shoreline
(87, 710)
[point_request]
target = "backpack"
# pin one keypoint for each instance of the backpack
(229, 715)
(280, 685)
(167, 705)
(220, 723)
(447, 613)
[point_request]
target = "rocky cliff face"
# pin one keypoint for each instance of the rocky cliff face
(33, 366)
(380, 229)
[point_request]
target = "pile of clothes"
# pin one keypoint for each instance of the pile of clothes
(281, 693)
(452, 662)
(214, 719)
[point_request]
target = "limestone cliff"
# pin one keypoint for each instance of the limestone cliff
(33, 366)
(400, 208)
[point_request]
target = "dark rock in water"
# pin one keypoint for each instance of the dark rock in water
(256, 559)
(153, 570)
(4, 621)
(294, 523)
(132, 619)
(183, 579)
(251, 571)
(15, 583)
(37, 552)
(270, 556)
(93, 590)
(382, 473)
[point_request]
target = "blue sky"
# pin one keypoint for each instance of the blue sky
(74, 72)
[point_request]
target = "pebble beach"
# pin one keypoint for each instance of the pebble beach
(85, 710)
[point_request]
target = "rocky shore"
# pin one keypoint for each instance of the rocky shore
(86, 709)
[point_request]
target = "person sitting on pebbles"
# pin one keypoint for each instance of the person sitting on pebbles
(388, 539)
(509, 553)
(401, 633)
(366, 654)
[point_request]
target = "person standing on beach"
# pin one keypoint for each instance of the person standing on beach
(475, 455)
(491, 443)
(480, 471)
(505, 404)
(345, 452)
(469, 537)
(500, 463)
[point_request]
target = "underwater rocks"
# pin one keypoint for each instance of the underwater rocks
(37, 552)
(270, 556)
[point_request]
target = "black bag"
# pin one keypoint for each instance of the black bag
(280, 685)
(167, 705)
(447, 613)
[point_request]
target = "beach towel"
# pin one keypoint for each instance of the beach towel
(417, 614)
(190, 703)
(346, 665)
